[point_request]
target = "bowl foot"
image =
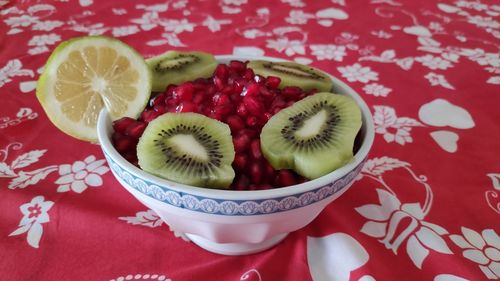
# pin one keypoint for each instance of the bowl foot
(235, 249)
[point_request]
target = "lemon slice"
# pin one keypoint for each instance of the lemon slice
(85, 74)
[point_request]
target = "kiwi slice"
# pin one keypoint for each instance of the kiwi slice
(188, 148)
(293, 74)
(175, 67)
(314, 136)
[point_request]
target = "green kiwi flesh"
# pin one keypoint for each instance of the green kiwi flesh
(293, 74)
(314, 136)
(175, 67)
(188, 148)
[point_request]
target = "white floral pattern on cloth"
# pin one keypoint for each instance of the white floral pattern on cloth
(146, 218)
(385, 218)
(481, 248)
(145, 276)
(150, 219)
(335, 256)
(328, 52)
(172, 28)
(24, 114)
(289, 47)
(393, 128)
(34, 215)
(20, 178)
(11, 69)
(250, 273)
(81, 174)
(438, 80)
(492, 195)
(389, 56)
(358, 73)
(377, 90)
(40, 43)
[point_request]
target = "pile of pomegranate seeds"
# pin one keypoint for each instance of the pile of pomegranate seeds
(236, 96)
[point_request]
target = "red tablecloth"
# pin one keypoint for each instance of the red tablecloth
(425, 207)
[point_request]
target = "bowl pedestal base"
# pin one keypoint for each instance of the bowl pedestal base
(235, 249)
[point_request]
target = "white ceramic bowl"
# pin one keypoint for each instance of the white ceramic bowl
(238, 222)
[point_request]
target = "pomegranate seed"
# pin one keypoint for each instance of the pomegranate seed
(170, 89)
(250, 133)
(241, 142)
(149, 115)
(186, 106)
(301, 179)
(238, 66)
(200, 84)
(216, 115)
(285, 178)
(198, 97)
(158, 100)
(240, 161)
(227, 90)
(171, 101)
(273, 82)
(255, 172)
(241, 182)
(235, 123)
(219, 84)
(268, 169)
(221, 72)
(122, 124)
(160, 109)
(278, 102)
(136, 129)
(259, 79)
(251, 89)
(267, 116)
(223, 111)
(291, 92)
(131, 156)
(184, 92)
(249, 74)
(253, 105)
(255, 151)
(265, 93)
(124, 143)
(220, 100)
(264, 186)
(238, 86)
(252, 121)
(241, 110)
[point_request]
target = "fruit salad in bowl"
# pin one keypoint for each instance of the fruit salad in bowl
(235, 152)
(259, 189)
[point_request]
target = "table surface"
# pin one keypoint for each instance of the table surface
(425, 206)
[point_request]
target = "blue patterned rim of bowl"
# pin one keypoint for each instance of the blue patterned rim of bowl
(232, 207)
